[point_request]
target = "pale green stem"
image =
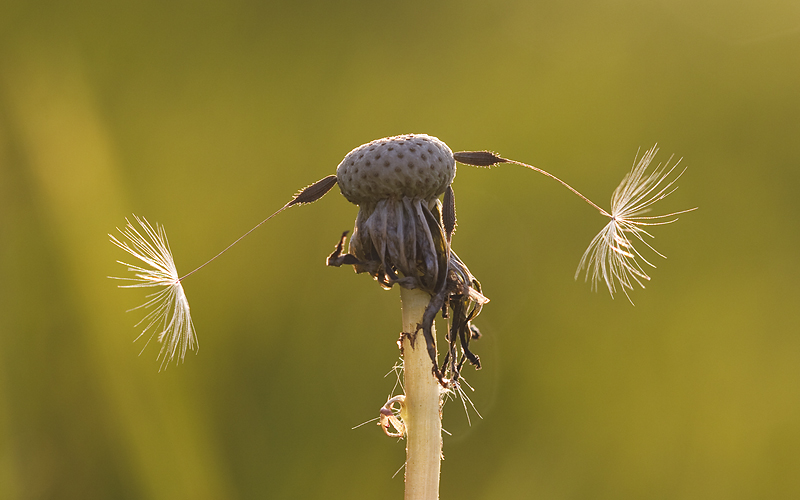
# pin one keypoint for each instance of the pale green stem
(421, 411)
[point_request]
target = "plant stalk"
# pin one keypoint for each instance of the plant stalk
(421, 411)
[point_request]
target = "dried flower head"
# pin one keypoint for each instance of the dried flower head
(398, 236)
(169, 319)
(403, 232)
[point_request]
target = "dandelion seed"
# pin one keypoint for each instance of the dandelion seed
(611, 255)
(168, 319)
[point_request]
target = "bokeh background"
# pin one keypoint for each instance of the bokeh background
(208, 116)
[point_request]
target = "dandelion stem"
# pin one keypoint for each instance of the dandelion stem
(422, 407)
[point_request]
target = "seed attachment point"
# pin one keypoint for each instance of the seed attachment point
(478, 158)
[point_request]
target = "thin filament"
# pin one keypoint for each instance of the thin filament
(240, 238)
(548, 174)
(309, 194)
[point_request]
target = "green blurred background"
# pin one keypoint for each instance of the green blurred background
(208, 116)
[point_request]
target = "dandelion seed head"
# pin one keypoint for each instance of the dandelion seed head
(410, 165)
(611, 256)
(168, 317)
